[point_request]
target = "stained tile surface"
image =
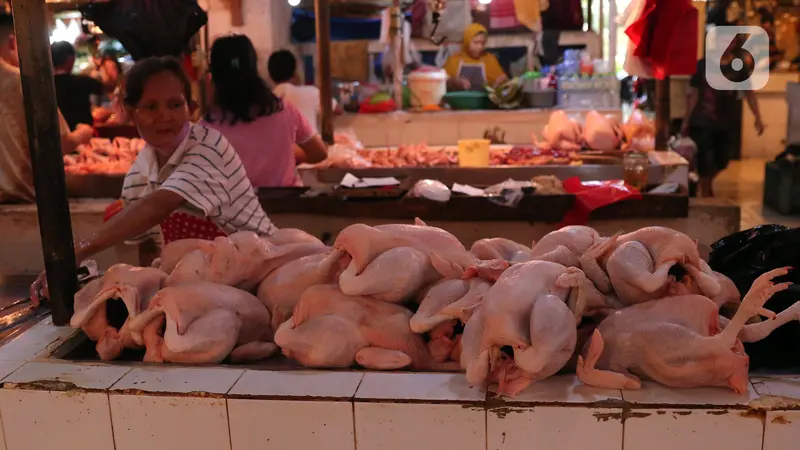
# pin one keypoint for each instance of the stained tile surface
(85, 376)
(656, 394)
(693, 429)
(298, 384)
(418, 386)
(179, 379)
(33, 342)
(566, 389)
(782, 430)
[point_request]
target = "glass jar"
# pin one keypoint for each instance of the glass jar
(635, 166)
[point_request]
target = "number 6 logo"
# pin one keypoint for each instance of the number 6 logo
(737, 58)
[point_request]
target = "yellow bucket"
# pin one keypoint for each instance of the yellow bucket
(473, 152)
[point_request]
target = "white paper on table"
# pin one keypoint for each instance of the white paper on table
(377, 182)
(468, 190)
(350, 180)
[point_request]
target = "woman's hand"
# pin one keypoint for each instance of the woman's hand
(759, 126)
(39, 289)
(464, 84)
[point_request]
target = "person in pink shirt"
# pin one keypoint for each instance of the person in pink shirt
(261, 127)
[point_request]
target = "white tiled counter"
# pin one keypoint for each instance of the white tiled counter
(47, 403)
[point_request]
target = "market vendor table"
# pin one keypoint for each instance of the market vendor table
(447, 127)
(48, 401)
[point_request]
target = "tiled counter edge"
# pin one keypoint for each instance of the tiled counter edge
(135, 406)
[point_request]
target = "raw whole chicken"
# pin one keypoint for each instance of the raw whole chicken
(394, 276)
(205, 323)
(135, 286)
(676, 341)
(601, 132)
(500, 249)
(576, 246)
(446, 301)
(526, 311)
(332, 330)
(638, 264)
(282, 289)
(560, 133)
(448, 256)
(242, 260)
(284, 236)
(639, 132)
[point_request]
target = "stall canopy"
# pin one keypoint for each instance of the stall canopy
(148, 27)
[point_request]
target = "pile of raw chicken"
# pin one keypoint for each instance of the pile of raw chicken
(104, 156)
(563, 140)
(615, 310)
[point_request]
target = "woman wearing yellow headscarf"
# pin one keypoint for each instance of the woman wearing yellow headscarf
(473, 67)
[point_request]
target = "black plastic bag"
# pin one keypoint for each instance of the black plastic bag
(746, 255)
(148, 27)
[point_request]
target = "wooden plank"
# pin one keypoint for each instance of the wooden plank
(44, 139)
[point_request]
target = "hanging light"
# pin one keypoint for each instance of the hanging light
(294, 2)
(484, 2)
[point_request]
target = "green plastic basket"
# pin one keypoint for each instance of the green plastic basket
(467, 100)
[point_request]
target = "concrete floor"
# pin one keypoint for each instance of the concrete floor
(743, 184)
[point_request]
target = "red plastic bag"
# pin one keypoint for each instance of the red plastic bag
(382, 107)
(590, 195)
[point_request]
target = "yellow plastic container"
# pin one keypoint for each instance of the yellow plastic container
(473, 152)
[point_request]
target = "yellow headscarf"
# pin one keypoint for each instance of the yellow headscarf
(470, 32)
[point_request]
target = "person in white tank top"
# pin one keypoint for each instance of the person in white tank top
(282, 66)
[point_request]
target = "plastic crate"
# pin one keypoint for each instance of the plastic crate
(782, 188)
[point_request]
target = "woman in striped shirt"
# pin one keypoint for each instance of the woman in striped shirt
(187, 180)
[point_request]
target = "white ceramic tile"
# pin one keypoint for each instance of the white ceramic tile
(2, 437)
(554, 428)
(472, 129)
(416, 132)
(404, 426)
(38, 340)
(317, 384)
(693, 429)
(38, 420)
(84, 376)
(782, 430)
(418, 386)
(179, 379)
(656, 394)
(144, 422)
(8, 367)
(264, 425)
(788, 387)
(565, 389)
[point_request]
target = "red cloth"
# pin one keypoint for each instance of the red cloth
(503, 15)
(665, 36)
(187, 226)
(591, 195)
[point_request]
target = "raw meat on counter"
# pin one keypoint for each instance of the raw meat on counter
(613, 309)
(104, 156)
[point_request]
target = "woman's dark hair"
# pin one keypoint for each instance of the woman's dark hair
(146, 68)
(240, 94)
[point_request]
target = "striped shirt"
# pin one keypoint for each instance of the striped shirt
(206, 171)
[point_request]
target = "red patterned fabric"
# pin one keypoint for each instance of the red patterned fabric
(665, 37)
(502, 15)
(187, 226)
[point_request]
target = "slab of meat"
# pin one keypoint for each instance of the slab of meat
(677, 342)
(332, 330)
(134, 286)
(204, 323)
(601, 132)
(282, 289)
(501, 249)
(638, 264)
(561, 133)
(532, 310)
(242, 260)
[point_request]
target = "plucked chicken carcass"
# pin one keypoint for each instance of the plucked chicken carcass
(601, 132)
(639, 132)
(560, 133)
(204, 323)
(500, 248)
(134, 286)
(532, 310)
(281, 290)
(676, 341)
(639, 263)
(332, 330)
(104, 156)
(242, 260)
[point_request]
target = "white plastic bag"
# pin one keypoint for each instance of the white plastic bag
(432, 190)
(684, 146)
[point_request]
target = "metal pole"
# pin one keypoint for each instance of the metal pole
(44, 138)
(322, 12)
(662, 113)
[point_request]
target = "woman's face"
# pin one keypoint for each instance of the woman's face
(111, 69)
(162, 111)
(478, 46)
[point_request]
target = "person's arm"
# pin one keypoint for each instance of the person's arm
(305, 138)
(70, 140)
(454, 80)
(752, 102)
(315, 150)
(494, 71)
(134, 220)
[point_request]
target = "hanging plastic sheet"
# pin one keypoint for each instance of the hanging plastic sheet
(148, 27)
(746, 255)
